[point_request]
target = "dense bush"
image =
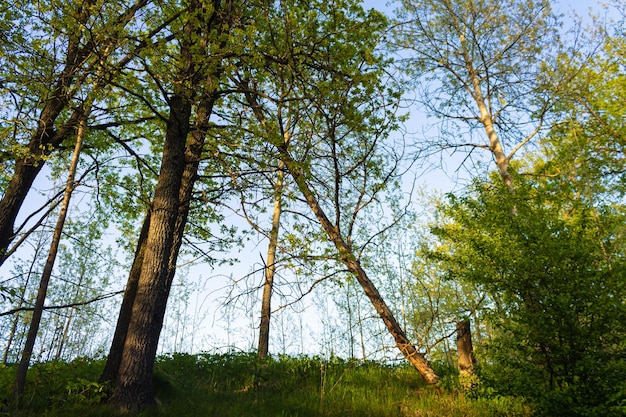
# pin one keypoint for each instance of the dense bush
(556, 278)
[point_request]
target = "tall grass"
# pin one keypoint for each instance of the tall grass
(241, 385)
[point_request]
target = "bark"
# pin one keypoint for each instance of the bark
(353, 265)
(20, 379)
(495, 146)
(133, 385)
(112, 365)
(193, 154)
(465, 352)
(119, 349)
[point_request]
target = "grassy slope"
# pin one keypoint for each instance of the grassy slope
(240, 385)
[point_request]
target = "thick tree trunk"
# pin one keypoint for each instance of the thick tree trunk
(193, 155)
(114, 368)
(112, 365)
(133, 386)
(465, 352)
(351, 262)
(20, 379)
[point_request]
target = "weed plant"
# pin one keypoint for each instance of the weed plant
(237, 384)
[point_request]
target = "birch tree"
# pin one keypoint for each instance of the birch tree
(482, 68)
(479, 68)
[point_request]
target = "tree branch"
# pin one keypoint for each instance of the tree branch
(60, 307)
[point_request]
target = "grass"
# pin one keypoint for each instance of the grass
(242, 385)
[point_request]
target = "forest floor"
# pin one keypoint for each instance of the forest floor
(240, 384)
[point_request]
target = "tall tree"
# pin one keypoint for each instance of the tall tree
(201, 33)
(20, 378)
(270, 268)
(335, 155)
(479, 65)
(486, 64)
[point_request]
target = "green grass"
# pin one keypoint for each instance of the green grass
(242, 385)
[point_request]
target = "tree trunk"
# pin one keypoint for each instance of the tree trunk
(352, 263)
(112, 365)
(193, 154)
(133, 386)
(486, 119)
(270, 268)
(465, 354)
(20, 378)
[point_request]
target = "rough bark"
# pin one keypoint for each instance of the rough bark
(20, 379)
(133, 380)
(193, 154)
(133, 385)
(353, 265)
(112, 365)
(133, 395)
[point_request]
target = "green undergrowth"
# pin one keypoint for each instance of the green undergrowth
(242, 385)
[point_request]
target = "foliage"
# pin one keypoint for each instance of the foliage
(587, 145)
(55, 385)
(554, 268)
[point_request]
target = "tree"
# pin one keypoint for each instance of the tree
(200, 33)
(480, 65)
(20, 378)
(47, 96)
(336, 153)
(270, 268)
(587, 144)
(486, 64)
